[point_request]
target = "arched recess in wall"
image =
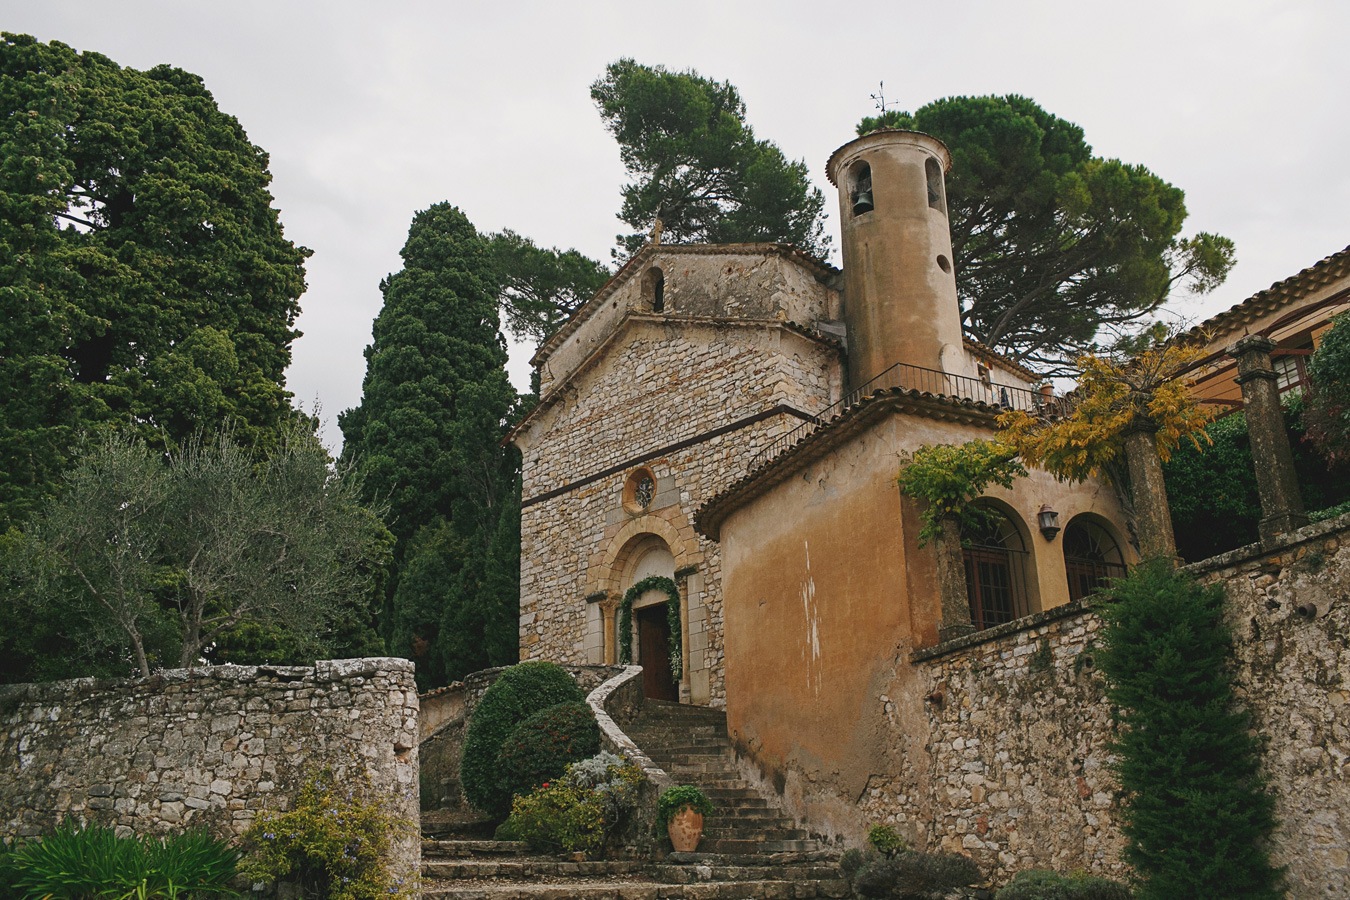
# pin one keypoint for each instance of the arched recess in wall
(1000, 569)
(645, 557)
(860, 188)
(1092, 554)
(654, 289)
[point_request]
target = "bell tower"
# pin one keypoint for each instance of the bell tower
(899, 283)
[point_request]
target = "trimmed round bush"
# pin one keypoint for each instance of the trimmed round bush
(541, 747)
(518, 693)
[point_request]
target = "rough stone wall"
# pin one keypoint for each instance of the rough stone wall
(663, 382)
(206, 747)
(1016, 768)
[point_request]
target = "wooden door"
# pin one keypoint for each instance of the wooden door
(654, 653)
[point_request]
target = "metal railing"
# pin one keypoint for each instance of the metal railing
(902, 376)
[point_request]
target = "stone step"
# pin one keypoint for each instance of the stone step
(548, 869)
(639, 890)
(459, 849)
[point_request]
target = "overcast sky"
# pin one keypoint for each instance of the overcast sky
(373, 111)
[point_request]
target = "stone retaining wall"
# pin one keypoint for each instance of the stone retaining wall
(206, 747)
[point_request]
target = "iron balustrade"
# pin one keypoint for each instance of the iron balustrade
(902, 376)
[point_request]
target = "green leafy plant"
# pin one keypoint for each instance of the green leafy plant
(885, 840)
(1042, 884)
(518, 693)
(542, 747)
(674, 799)
(73, 863)
(672, 591)
(1195, 812)
(333, 844)
(579, 812)
(1329, 402)
(949, 478)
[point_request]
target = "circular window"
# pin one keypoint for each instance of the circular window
(639, 491)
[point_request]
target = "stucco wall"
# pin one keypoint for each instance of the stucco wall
(210, 747)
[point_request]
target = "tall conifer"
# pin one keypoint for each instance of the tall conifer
(427, 438)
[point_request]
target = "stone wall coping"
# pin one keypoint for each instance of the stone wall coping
(615, 736)
(998, 632)
(322, 671)
(1254, 551)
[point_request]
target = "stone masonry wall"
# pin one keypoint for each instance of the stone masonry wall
(664, 382)
(206, 747)
(1017, 771)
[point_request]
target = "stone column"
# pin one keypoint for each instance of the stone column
(1281, 503)
(608, 607)
(951, 574)
(1152, 519)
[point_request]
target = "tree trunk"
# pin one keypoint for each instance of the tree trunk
(1152, 518)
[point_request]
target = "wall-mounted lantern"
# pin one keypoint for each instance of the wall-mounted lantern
(1048, 521)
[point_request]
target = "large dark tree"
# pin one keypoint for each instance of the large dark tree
(145, 283)
(698, 166)
(1055, 248)
(427, 438)
(541, 288)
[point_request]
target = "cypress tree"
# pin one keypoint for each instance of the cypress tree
(427, 438)
(1195, 811)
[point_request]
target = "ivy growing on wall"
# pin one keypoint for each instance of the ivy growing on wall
(652, 583)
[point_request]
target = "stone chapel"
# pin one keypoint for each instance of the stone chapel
(733, 417)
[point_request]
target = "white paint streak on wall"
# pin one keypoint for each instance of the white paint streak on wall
(811, 647)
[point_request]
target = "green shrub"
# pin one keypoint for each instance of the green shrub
(884, 840)
(1195, 813)
(1328, 415)
(333, 844)
(518, 693)
(579, 812)
(1041, 884)
(674, 799)
(1212, 493)
(907, 873)
(74, 863)
(542, 747)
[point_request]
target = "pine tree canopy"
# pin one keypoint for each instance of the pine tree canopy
(145, 283)
(1055, 247)
(698, 166)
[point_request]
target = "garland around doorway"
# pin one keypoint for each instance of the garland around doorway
(652, 583)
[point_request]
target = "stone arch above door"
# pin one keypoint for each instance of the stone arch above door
(607, 568)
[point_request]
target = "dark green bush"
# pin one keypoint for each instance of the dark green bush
(1041, 884)
(542, 747)
(907, 874)
(73, 863)
(1212, 491)
(1195, 813)
(1328, 415)
(518, 693)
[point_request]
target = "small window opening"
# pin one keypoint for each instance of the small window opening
(934, 173)
(860, 189)
(654, 287)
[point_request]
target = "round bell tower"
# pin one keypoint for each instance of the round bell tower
(899, 281)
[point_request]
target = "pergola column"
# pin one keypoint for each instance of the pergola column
(1281, 503)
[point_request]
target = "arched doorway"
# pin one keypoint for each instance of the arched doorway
(1092, 557)
(651, 620)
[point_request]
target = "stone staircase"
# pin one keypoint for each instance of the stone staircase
(749, 848)
(691, 744)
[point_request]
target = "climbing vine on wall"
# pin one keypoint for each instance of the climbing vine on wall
(652, 583)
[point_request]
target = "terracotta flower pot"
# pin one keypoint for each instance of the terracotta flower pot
(685, 829)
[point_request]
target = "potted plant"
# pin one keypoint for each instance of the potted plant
(681, 809)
